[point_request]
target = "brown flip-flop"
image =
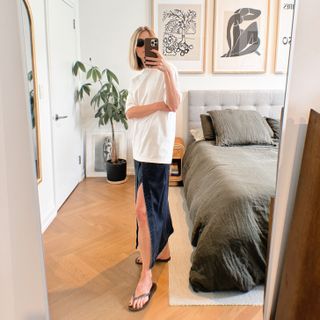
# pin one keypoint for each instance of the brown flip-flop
(138, 261)
(149, 295)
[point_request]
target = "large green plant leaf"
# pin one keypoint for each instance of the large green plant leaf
(86, 88)
(30, 76)
(104, 94)
(125, 123)
(96, 74)
(78, 65)
(106, 118)
(94, 100)
(111, 75)
(109, 108)
(99, 113)
(89, 73)
(115, 92)
(116, 117)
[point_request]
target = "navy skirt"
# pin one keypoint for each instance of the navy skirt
(155, 182)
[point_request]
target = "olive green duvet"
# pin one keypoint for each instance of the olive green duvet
(228, 190)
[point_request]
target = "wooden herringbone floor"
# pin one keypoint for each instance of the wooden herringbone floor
(89, 253)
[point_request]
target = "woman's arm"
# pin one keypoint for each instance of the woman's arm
(173, 96)
(147, 109)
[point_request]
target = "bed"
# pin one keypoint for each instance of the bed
(227, 191)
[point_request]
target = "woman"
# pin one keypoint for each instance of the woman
(152, 101)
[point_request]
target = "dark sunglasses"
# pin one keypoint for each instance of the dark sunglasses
(140, 43)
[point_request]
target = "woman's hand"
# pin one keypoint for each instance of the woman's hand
(157, 63)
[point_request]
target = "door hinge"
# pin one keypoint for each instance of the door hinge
(74, 23)
(79, 159)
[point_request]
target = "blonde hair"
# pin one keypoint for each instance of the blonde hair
(134, 61)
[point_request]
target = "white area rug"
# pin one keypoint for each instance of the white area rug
(180, 292)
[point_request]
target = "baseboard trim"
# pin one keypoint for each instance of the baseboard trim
(48, 221)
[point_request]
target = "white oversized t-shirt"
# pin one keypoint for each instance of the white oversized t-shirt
(153, 135)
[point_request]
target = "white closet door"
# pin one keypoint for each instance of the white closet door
(67, 140)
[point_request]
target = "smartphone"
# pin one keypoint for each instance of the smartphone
(149, 44)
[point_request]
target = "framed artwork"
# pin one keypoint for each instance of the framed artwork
(180, 26)
(240, 36)
(285, 18)
(98, 151)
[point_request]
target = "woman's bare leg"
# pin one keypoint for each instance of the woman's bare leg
(164, 254)
(145, 282)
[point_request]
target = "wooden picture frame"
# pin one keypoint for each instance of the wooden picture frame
(240, 36)
(284, 31)
(180, 26)
(98, 148)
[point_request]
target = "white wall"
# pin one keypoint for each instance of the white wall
(303, 93)
(106, 27)
(23, 293)
(105, 30)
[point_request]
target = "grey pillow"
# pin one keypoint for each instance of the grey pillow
(207, 127)
(275, 126)
(238, 127)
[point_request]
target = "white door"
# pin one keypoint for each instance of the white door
(62, 46)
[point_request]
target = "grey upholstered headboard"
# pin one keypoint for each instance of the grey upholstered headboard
(267, 102)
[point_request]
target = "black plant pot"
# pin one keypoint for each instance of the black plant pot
(117, 172)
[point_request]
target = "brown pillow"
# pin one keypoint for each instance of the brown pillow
(207, 127)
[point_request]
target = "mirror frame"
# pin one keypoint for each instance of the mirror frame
(35, 92)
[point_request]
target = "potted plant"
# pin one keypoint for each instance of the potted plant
(109, 103)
